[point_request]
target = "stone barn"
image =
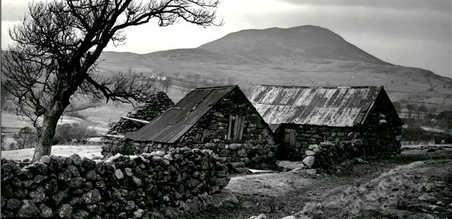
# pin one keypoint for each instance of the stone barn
(357, 120)
(220, 119)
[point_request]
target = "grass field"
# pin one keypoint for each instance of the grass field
(88, 151)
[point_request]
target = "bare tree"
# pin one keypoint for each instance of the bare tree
(58, 43)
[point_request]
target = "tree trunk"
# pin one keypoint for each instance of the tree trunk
(49, 125)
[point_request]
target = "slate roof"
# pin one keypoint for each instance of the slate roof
(325, 106)
(171, 125)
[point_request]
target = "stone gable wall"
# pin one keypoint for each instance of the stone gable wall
(121, 187)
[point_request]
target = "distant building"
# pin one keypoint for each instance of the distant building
(301, 116)
(217, 118)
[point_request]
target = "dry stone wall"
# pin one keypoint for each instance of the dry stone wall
(121, 187)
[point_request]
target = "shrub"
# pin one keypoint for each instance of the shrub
(26, 138)
(68, 133)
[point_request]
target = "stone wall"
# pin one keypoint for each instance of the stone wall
(308, 135)
(121, 187)
(257, 149)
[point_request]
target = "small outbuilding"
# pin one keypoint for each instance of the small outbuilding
(220, 119)
(362, 119)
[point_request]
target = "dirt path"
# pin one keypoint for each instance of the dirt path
(383, 185)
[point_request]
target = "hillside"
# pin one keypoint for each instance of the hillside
(304, 43)
(304, 55)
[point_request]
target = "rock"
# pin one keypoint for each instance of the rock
(193, 183)
(241, 153)
(51, 186)
(77, 182)
(289, 217)
(76, 159)
(78, 191)
(130, 206)
(92, 175)
(7, 191)
(38, 195)
(73, 171)
(16, 183)
(64, 175)
(310, 153)
(136, 181)
(138, 213)
(13, 204)
(210, 145)
(45, 211)
(28, 209)
(75, 201)
(119, 174)
(39, 168)
(237, 164)
(80, 214)
(128, 172)
(158, 153)
(88, 164)
(39, 178)
(92, 208)
(100, 184)
(91, 197)
(60, 196)
(223, 153)
(3, 202)
(261, 216)
(234, 146)
(168, 157)
(309, 161)
(45, 159)
(20, 193)
(64, 211)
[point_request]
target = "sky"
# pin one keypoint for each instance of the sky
(415, 33)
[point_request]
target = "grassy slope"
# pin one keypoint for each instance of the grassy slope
(402, 83)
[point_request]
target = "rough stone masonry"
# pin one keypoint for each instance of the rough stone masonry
(121, 187)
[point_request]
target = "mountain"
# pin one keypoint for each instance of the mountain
(305, 43)
(304, 55)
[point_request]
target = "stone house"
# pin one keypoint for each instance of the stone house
(220, 119)
(361, 118)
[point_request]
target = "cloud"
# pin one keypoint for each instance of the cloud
(434, 5)
(14, 10)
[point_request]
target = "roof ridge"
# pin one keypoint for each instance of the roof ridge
(216, 87)
(331, 87)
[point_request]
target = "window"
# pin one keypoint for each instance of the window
(290, 137)
(235, 128)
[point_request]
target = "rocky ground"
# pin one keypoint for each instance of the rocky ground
(417, 184)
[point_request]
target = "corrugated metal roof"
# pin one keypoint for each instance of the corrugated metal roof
(326, 106)
(172, 124)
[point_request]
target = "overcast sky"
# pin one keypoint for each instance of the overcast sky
(415, 33)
